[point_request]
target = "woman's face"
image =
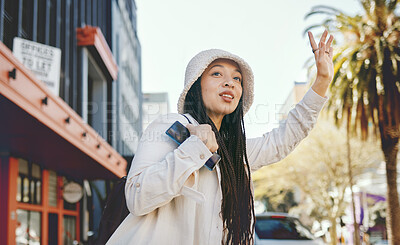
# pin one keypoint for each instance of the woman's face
(221, 87)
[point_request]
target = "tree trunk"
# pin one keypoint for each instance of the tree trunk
(356, 234)
(390, 149)
(389, 130)
(333, 232)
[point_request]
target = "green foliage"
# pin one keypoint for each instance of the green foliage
(365, 89)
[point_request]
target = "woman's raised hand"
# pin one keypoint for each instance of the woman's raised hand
(323, 53)
(205, 134)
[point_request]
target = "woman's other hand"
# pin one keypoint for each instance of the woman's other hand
(205, 134)
(323, 53)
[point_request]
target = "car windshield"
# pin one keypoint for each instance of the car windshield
(282, 228)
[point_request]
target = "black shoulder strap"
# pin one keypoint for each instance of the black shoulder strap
(186, 118)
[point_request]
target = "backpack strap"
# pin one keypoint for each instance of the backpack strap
(187, 118)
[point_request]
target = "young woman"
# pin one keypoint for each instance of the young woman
(172, 198)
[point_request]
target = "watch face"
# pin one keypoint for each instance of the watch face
(178, 132)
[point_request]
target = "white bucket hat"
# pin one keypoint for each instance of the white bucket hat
(200, 62)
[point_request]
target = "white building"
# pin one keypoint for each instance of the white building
(296, 94)
(154, 105)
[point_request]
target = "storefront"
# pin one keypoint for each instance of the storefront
(48, 154)
(64, 139)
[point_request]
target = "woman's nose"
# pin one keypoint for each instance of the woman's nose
(229, 83)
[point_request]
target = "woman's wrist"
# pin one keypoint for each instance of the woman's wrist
(321, 85)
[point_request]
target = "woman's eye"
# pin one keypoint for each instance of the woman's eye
(237, 79)
(216, 74)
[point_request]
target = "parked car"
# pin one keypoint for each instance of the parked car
(382, 242)
(282, 229)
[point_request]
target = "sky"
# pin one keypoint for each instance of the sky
(267, 34)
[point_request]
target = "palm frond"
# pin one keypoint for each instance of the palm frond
(366, 81)
(310, 28)
(326, 8)
(392, 5)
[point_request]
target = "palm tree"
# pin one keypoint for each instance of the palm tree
(365, 92)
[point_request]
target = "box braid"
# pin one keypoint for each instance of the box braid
(237, 206)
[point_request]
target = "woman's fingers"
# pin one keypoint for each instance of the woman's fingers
(329, 43)
(322, 51)
(204, 133)
(323, 37)
(313, 44)
(312, 41)
(323, 54)
(331, 52)
(323, 48)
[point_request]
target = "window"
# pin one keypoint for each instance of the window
(27, 19)
(53, 23)
(53, 228)
(29, 189)
(10, 22)
(69, 230)
(52, 189)
(32, 180)
(41, 21)
(28, 227)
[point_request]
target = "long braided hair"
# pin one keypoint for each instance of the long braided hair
(237, 206)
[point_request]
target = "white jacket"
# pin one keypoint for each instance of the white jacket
(174, 200)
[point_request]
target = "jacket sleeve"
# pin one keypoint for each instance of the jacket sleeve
(160, 169)
(277, 144)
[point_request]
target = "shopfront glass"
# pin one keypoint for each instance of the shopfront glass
(52, 189)
(32, 204)
(28, 227)
(29, 182)
(69, 230)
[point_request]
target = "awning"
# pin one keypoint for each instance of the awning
(92, 38)
(36, 124)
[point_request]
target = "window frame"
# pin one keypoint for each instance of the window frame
(44, 208)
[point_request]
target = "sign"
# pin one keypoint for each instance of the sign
(72, 192)
(43, 60)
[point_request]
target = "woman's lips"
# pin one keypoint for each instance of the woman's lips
(226, 99)
(227, 96)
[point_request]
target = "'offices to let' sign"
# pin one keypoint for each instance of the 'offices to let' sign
(43, 60)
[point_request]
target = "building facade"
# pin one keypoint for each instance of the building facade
(154, 105)
(64, 139)
(128, 88)
(296, 94)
